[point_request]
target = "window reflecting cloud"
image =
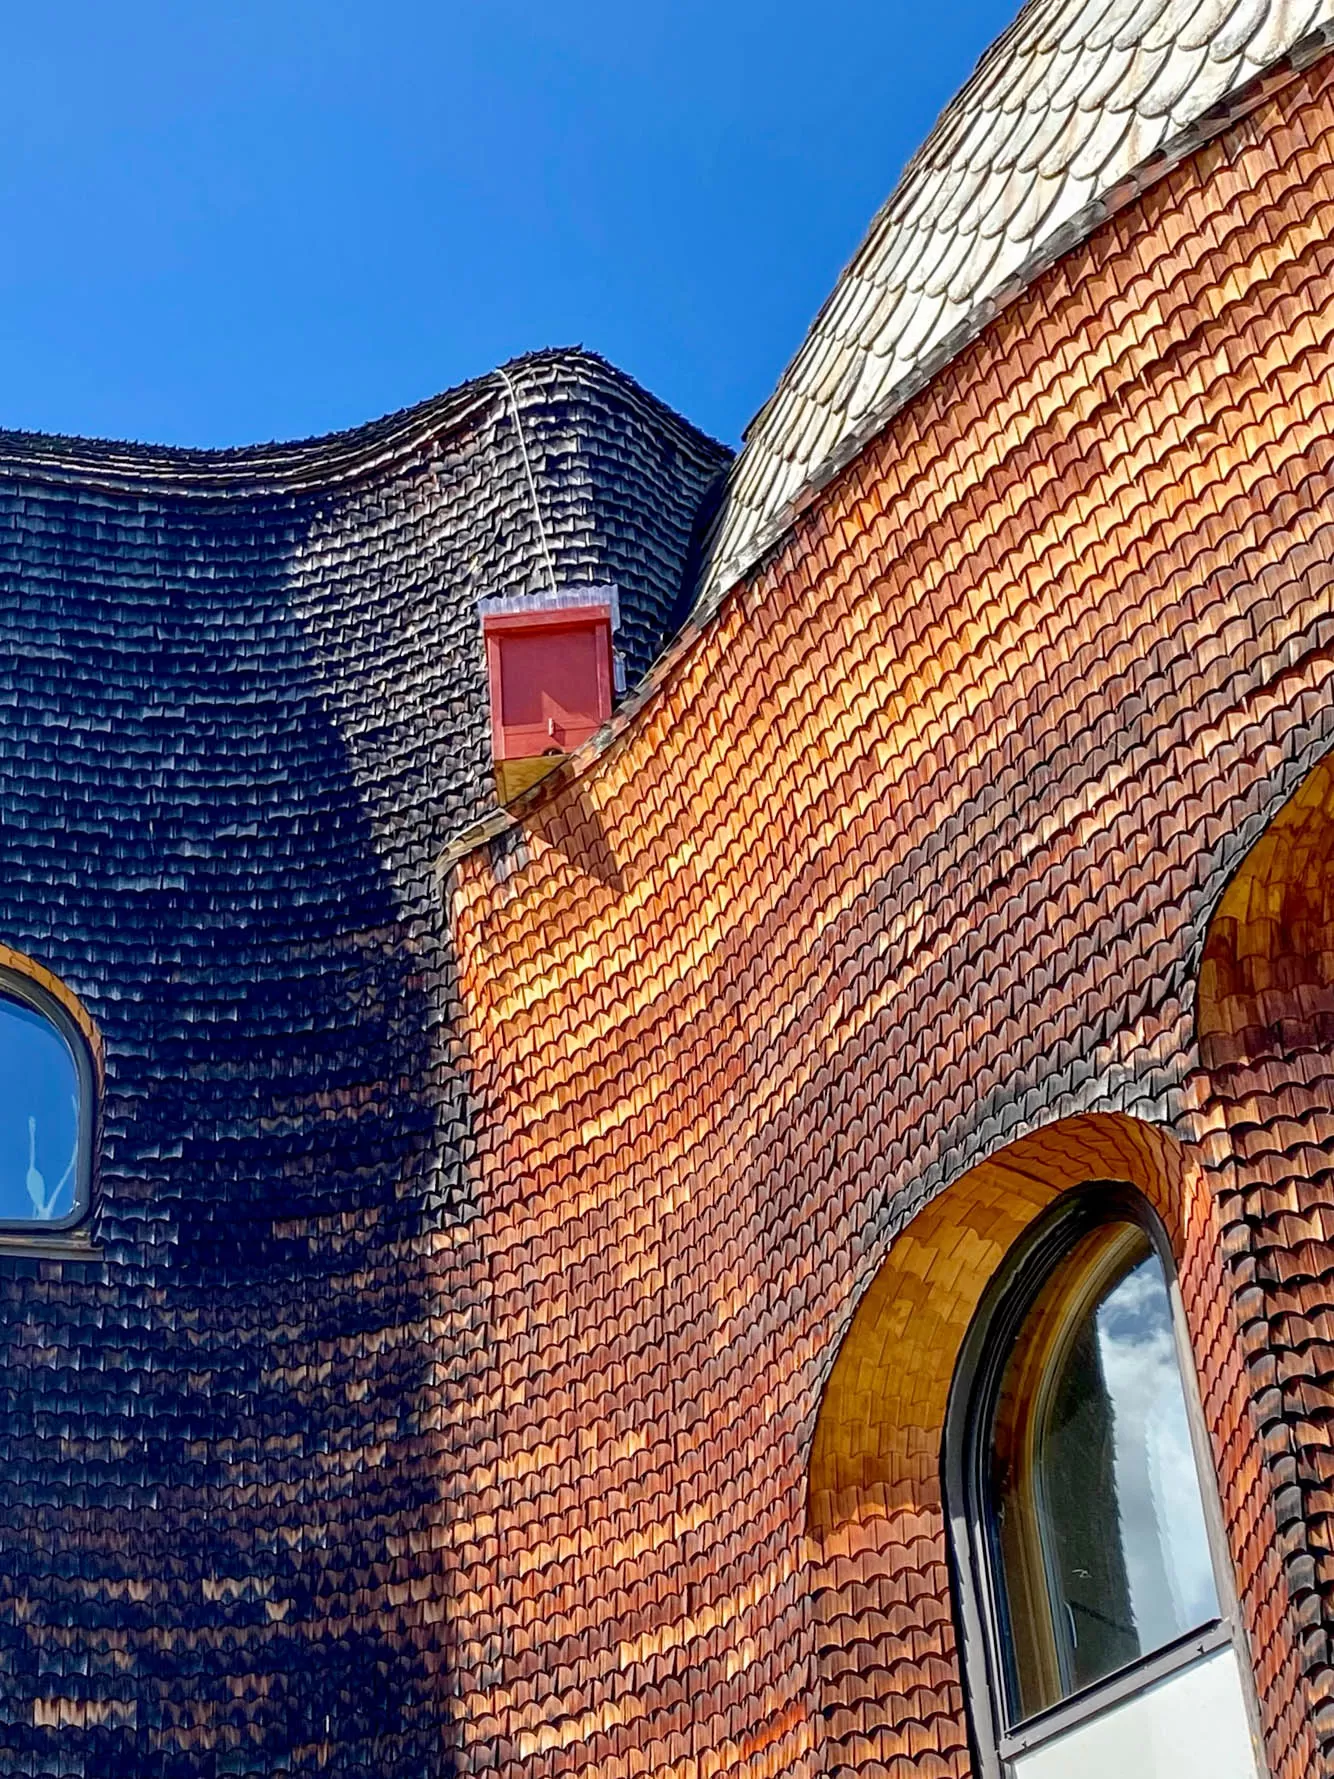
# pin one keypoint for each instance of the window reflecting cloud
(1096, 1506)
(39, 1118)
(1166, 1549)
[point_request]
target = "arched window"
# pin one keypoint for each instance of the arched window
(46, 1110)
(1099, 1625)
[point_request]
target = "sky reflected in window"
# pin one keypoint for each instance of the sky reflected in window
(1168, 1567)
(39, 1118)
(1096, 1503)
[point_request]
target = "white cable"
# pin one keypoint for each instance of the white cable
(528, 471)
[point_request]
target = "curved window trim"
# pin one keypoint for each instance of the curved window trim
(61, 1233)
(977, 1374)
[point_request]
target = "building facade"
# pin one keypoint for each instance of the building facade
(245, 708)
(628, 1283)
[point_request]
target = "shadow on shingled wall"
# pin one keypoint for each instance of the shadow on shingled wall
(244, 709)
(217, 1445)
(572, 825)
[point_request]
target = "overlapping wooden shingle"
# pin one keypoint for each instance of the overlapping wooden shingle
(244, 704)
(912, 855)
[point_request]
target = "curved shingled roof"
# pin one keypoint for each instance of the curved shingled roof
(622, 487)
(1069, 113)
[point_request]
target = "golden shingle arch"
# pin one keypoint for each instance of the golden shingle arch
(889, 1684)
(1266, 985)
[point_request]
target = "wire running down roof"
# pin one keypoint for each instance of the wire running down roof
(1068, 113)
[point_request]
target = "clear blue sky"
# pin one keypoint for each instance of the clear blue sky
(249, 219)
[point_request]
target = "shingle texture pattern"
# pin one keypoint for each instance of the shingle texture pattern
(1065, 116)
(912, 878)
(244, 705)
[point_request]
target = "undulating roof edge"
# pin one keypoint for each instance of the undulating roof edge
(323, 460)
(758, 540)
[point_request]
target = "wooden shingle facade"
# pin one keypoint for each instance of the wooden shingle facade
(531, 1250)
(973, 850)
(244, 707)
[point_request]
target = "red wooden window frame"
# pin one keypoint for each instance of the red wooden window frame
(562, 728)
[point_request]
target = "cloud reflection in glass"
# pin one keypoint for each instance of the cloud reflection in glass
(40, 1091)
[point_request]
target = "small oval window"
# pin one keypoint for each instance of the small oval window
(45, 1083)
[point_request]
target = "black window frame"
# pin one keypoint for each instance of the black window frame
(15, 986)
(986, 1349)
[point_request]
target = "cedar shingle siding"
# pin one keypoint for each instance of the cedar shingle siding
(908, 870)
(244, 706)
(526, 1293)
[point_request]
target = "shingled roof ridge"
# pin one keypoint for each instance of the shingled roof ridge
(1072, 111)
(327, 458)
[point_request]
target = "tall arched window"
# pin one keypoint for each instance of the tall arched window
(46, 1110)
(1099, 1624)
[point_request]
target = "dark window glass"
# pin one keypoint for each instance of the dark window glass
(40, 1118)
(1094, 1495)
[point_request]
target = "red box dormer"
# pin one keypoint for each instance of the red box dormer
(551, 679)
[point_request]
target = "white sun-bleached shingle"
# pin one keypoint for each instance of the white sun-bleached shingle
(1064, 113)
